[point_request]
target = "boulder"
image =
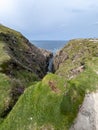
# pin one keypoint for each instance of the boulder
(87, 118)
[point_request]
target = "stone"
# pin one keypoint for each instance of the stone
(87, 118)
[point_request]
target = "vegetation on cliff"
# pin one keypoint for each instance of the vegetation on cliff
(21, 64)
(53, 102)
(75, 56)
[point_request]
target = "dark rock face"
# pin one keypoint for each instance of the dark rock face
(26, 55)
(21, 64)
(48, 56)
(59, 58)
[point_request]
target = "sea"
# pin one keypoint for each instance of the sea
(52, 46)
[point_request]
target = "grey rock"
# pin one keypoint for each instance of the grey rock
(87, 118)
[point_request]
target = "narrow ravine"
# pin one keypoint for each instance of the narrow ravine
(50, 65)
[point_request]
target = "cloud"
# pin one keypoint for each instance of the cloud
(96, 23)
(45, 17)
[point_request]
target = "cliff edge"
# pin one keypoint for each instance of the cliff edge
(63, 100)
(21, 64)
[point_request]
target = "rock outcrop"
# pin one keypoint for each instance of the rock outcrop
(21, 64)
(48, 55)
(23, 53)
(65, 100)
(87, 118)
(71, 62)
(73, 58)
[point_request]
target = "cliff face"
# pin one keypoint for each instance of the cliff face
(21, 63)
(60, 101)
(72, 61)
(75, 56)
(22, 52)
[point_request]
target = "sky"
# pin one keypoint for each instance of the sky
(51, 19)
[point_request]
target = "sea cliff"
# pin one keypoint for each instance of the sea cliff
(32, 99)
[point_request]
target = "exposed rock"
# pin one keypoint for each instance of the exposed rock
(76, 71)
(87, 118)
(48, 55)
(21, 63)
(59, 58)
(24, 54)
(54, 102)
(74, 55)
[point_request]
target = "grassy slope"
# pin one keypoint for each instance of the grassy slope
(38, 107)
(13, 59)
(77, 53)
(52, 103)
(5, 83)
(14, 78)
(4, 93)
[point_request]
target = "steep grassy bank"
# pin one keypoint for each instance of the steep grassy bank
(21, 64)
(75, 56)
(53, 102)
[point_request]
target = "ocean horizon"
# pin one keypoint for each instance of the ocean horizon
(50, 45)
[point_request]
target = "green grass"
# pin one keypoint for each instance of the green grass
(75, 92)
(5, 82)
(52, 103)
(40, 107)
(26, 77)
(9, 32)
(79, 52)
(3, 55)
(5, 86)
(9, 85)
(17, 70)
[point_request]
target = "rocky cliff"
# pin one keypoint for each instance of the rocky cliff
(65, 100)
(22, 52)
(21, 63)
(75, 56)
(72, 61)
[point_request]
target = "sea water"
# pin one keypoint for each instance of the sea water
(52, 46)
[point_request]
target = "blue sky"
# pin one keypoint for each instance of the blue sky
(51, 19)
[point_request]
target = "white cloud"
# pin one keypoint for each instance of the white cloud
(6, 6)
(48, 16)
(96, 23)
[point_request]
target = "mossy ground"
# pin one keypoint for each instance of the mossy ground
(11, 87)
(15, 75)
(39, 107)
(3, 54)
(51, 103)
(5, 83)
(78, 52)
(4, 94)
